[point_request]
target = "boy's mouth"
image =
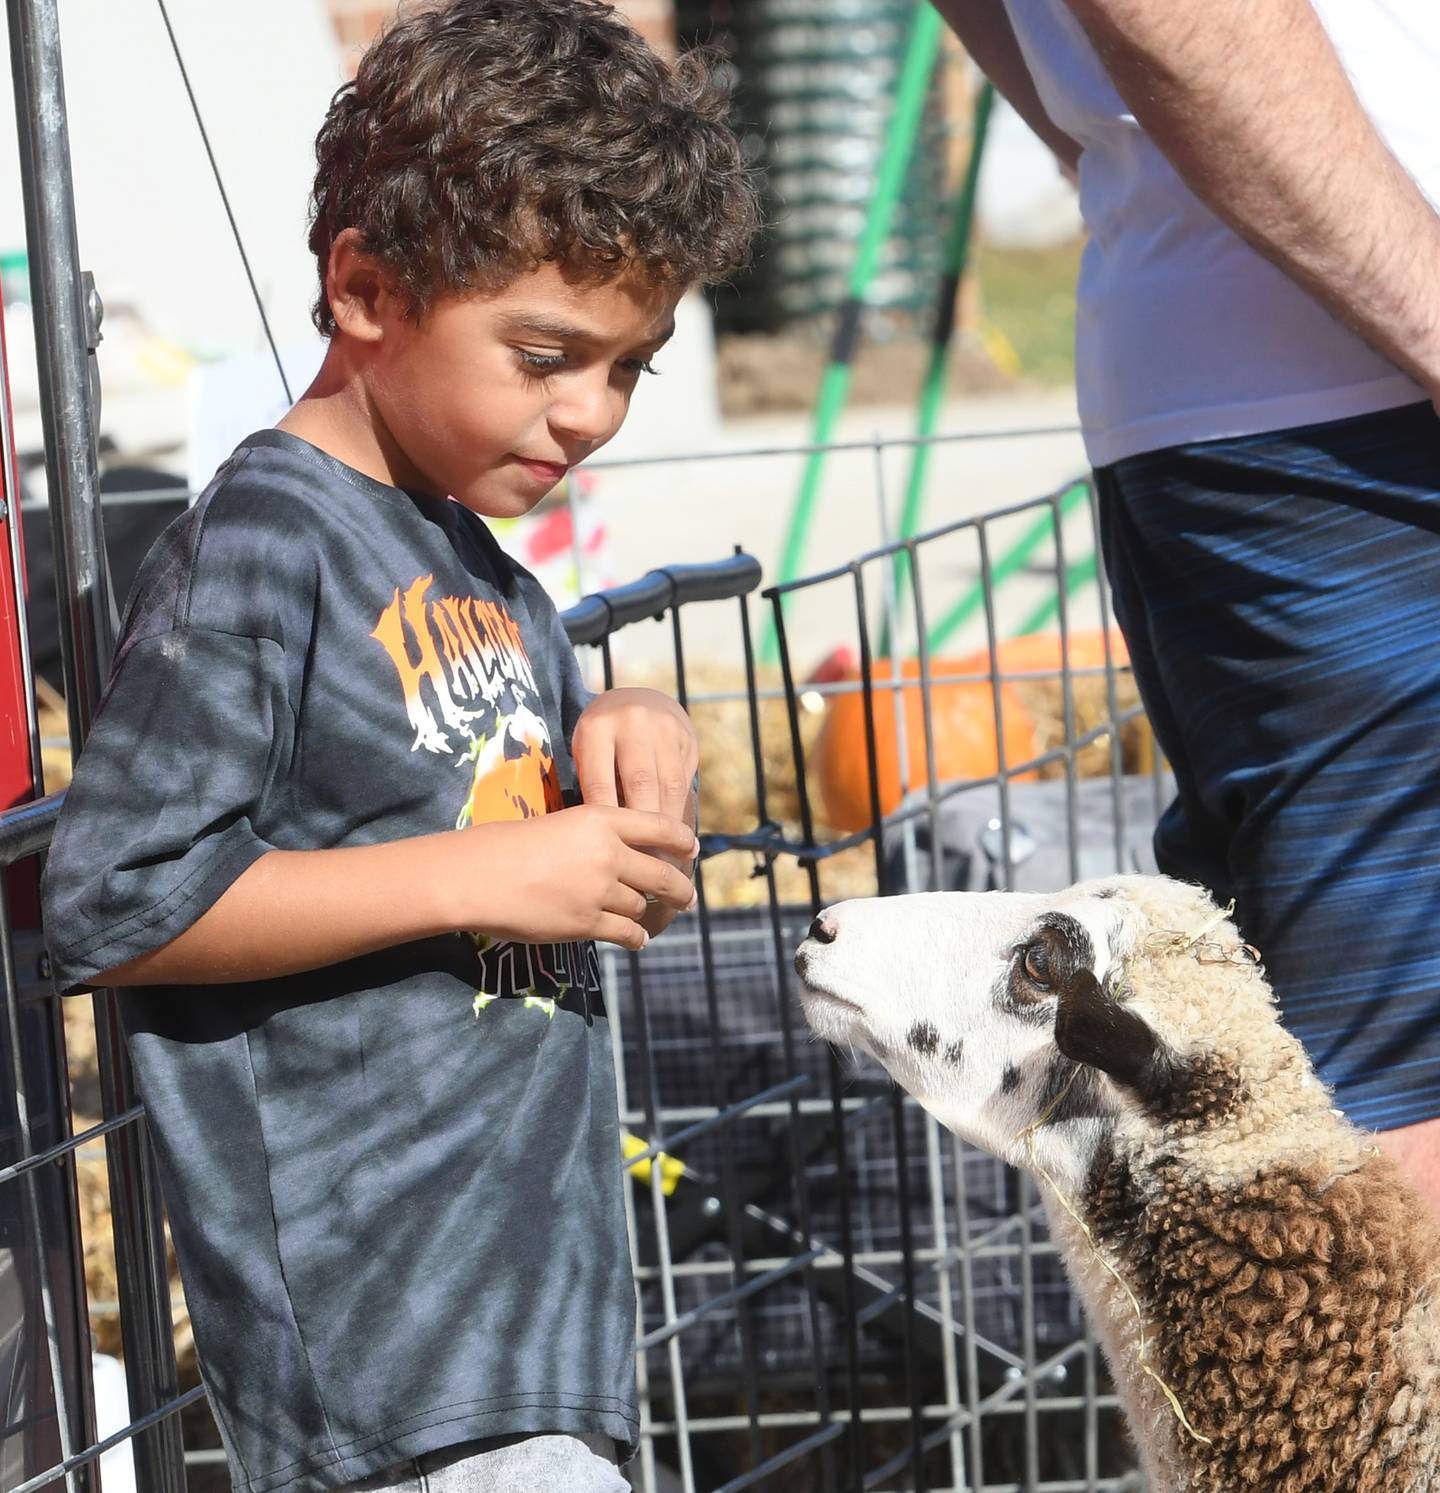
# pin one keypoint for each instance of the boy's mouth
(544, 471)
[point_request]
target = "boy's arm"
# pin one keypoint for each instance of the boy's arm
(580, 873)
(984, 28)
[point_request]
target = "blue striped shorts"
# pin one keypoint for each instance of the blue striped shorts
(1281, 598)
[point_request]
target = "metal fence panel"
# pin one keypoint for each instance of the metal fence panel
(834, 1294)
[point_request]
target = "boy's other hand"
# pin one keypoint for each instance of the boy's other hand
(587, 872)
(636, 748)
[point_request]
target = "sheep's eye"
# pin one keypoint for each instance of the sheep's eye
(1037, 963)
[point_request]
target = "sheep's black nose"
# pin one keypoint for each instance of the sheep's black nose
(824, 929)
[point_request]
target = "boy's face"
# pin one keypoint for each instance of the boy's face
(492, 397)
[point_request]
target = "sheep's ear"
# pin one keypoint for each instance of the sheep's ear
(1094, 1028)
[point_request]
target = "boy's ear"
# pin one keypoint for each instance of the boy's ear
(1092, 1027)
(357, 287)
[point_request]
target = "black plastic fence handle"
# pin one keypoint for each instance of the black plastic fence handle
(596, 617)
(26, 829)
(719, 580)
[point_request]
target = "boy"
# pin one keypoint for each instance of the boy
(318, 835)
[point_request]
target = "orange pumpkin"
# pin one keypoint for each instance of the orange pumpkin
(962, 716)
(1040, 651)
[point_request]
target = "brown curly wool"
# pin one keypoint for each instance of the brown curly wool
(1202, 1092)
(1280, 1310)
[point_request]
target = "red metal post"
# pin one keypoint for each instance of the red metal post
(19, 740)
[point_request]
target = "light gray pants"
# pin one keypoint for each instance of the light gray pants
(509, 1464)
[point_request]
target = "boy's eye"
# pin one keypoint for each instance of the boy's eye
(554, 362)
(542, 362)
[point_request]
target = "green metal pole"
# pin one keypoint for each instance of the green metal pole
(1004, 568)
(904, 128)
(1077, 576)
(932, 392)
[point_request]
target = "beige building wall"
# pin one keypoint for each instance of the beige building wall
(357, 21)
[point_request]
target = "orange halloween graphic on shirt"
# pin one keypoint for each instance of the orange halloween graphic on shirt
(471, 695)
(464, 674)
(514, 776)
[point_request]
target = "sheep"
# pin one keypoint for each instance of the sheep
(1262, 1280)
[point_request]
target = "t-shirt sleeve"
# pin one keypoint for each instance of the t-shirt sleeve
(162, 815)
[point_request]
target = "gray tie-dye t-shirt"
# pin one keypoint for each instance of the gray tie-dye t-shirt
(394, 1183)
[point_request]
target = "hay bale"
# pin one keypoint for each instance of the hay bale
(92, 1180)
(727, 771)
(729, 799)
(54, 736)
(1045, 700)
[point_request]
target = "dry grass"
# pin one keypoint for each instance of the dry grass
(54, 727)
(1044, 699)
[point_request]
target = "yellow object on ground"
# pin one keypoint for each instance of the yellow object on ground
(671, 1168)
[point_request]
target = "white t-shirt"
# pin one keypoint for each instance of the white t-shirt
(1185, 333)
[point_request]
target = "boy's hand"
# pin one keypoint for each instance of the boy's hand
(580, 873)
(637, 748)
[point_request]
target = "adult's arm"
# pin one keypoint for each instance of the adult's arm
(1252, 106)
(984, 28)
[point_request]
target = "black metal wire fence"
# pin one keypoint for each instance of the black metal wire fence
(834, 1294)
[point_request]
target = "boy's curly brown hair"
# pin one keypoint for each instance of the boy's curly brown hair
(482, 137)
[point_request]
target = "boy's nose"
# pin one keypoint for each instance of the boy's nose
(588, 413)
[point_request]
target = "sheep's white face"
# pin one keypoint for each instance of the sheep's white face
(982, 1004)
